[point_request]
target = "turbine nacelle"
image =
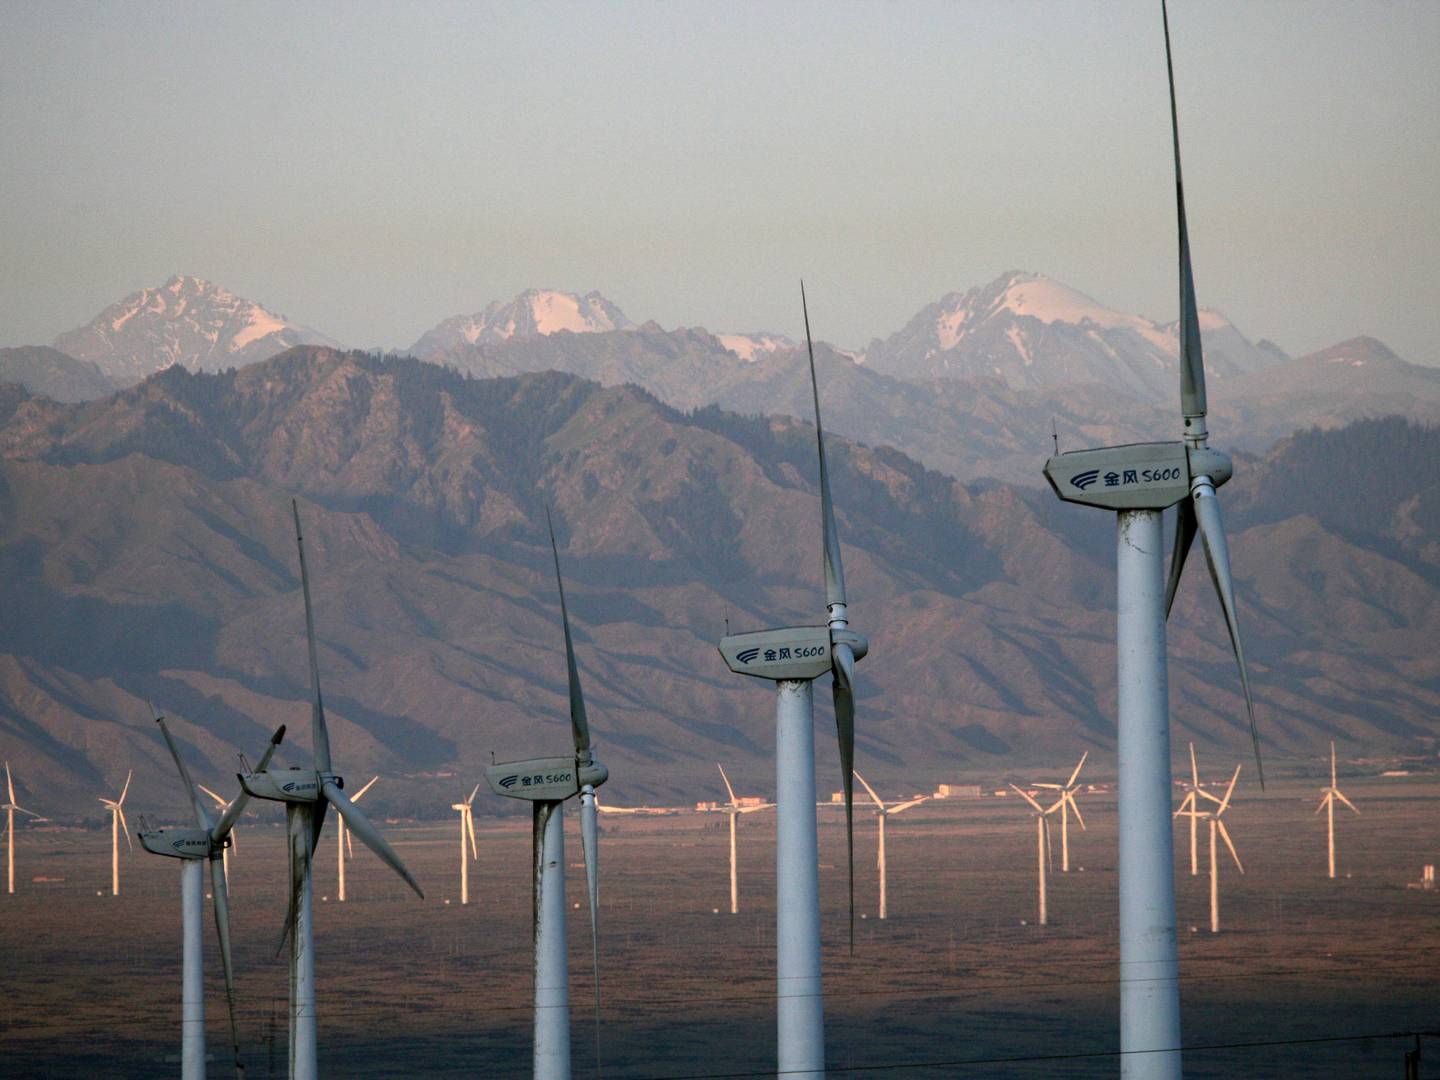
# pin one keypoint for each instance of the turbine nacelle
(288, 785)
(794, 652)
(1137, 476)
(182, 843)
(548, 779)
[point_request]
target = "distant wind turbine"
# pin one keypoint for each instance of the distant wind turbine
(10, 807)
(344, 846)
(547, 783)
(1217, 825)
(1190, 807)
(201, 844)
(1327, 803)
(793, 658)
(733, 811)
(467, 833)
(118, 824)
(307, 794)
(1042, 848)
(881, 813)
(1067, 803)
(234, 845)
(1138, 483)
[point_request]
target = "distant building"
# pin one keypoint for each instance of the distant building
(956, 791)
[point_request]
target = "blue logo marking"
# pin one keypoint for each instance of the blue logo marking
(1085, 479)
(509, 782)
(747, 655)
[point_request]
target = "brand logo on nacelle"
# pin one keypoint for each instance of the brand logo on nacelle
(509, 782)
(747, 655)
(1085, 479)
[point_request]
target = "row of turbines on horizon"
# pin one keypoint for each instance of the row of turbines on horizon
(1065, 805)
(1137, 483)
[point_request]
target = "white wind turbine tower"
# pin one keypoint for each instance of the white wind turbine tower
(546, 783)
(1067, 803)
(10, 807)
(733, 811)
(202, 844)
(118, 824)
(344, 845)
(307, 794)
(1327, 803)
(1217, 825)
(1138, 483)
(1190, 807)
(793, 658)
(881, 813)
(1042, 848)
(467, 834)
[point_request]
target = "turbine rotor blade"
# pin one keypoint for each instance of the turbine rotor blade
(590, 843)
(906, 805)
(1217, 555)
(1194, 769)
(125, 827)
(733, 801)
(360, 825)
(202, 817)
(1192, 364)
(470, 828)
(1341, 796)
(320, 736)
(1074, 806)
(367, 787)
(1225, 802)
(475, 791)
(579, 725)
(9, 784)
(236, 806)
(1028, 798)
(126, 789)
(1225, 835)
(220, 894)
(1185, 527)
(843, 695)
(834, 569)
(1071, 782)
(871, 790)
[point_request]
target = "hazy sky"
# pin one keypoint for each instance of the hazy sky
(369, 169)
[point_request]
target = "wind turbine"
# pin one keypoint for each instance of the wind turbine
(467, 833)
(881, 813)
(1067, 803)
(118, 824)
(10, 807)
(307, 794)
(1042, 846)
(343, 844)
(734, 810)
(1139, 482)
(547, 783)
(793, 658)
(1217, 825)
(1327, 803)
(204, 843)
(1190, 807)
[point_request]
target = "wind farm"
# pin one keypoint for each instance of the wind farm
(545, 391)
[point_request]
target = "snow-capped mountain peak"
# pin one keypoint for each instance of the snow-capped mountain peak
(1033, 331)
(188, 321)
(534, 313)
(756, 345)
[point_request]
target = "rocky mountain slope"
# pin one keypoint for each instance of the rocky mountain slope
(147, 554)
(50, 373)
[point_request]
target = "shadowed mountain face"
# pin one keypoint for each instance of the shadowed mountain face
(147, 554)
(50, 373)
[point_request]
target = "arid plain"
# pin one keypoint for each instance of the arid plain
(958, 981)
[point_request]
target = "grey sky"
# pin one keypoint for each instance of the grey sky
(369, 169)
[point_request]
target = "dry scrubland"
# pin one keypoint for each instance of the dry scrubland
(91, 983)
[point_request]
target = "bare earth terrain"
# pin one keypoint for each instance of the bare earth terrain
(959, 981)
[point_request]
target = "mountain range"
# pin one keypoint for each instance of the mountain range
(972, 386)
(147, 554)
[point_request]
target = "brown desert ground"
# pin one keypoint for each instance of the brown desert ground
(1308, 976)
